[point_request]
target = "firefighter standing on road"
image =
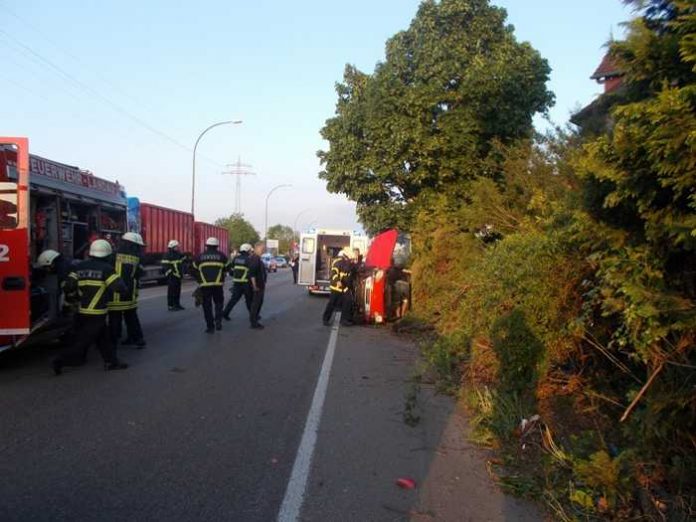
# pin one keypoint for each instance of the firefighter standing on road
(257, 277)
(341, 273)
(241, 286)
(172, 264)
(124, 304)
(91, 284)
(209, 269)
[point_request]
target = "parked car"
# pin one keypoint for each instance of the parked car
(270, 262)
(281, 262)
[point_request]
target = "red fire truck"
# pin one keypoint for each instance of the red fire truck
(45, 204)
(49, 205)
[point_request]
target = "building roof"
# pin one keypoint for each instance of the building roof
(607, 69)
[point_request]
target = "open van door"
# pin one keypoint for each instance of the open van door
(359, 242)
(308, 259)
(15, 320)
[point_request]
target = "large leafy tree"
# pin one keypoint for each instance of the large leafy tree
(453, 83)
(285, 236)
(241, 230)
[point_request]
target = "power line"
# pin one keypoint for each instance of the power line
(115, 106)
(80, 62)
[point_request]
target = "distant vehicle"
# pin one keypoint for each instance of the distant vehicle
(270, 262)
(318, 249)
(281, 262)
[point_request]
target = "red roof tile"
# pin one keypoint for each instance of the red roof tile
(606, 69)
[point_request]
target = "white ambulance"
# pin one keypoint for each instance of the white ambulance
(318, 249)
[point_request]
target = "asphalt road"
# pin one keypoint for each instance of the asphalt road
(209, 427)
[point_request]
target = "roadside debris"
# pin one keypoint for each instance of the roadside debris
(406, 483)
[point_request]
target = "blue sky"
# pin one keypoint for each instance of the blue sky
(88, 82)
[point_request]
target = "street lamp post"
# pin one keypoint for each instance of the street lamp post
(195, 147)
(297, 218)
(265, 228)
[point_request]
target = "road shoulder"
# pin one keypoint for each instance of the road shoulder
(369, 439)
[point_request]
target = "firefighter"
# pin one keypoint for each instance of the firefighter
(341, 273)
(172, 264)
(124, 304)
(54, 263)
(91, 285)
(54, 268)
(209, 269)
(257, 278)
(241, 286)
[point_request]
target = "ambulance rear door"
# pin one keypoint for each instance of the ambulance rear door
(307, 274)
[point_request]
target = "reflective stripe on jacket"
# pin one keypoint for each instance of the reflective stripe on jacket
(210, 268)
(240, 269)
(340, 273)
(92, 282)
(128, 268)
(172, 264)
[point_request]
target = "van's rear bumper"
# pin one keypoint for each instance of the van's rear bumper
(319, 289)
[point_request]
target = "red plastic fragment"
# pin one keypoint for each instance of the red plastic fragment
(406, 483)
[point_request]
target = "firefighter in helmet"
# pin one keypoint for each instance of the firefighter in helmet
(241, 285)
(52, 269)
(172, 264)
(91, 284)
(209, 268)
(340, 298)
(124, 304)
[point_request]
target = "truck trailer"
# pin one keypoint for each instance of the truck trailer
(202, 231)
(159, 225)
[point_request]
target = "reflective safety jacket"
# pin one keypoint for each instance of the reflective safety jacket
(240, 268)
(340, 275)
(91, 283)
(128, 268)
(172, 264)
(210, 267)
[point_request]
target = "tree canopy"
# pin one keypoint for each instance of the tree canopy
(453, 83)
(285, 236)
(241, 231)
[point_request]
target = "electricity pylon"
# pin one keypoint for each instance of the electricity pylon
(239, 169)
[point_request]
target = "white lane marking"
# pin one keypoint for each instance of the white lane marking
(294, 494)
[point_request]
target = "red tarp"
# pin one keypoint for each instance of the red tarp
(381, 250)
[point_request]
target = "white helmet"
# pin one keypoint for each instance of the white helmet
(212, 241)
(100, 248)
(133, 238)
(46, 258)
(246, 247)
(347, 253)
(173, 244)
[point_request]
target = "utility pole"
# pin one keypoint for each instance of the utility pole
(195, 148)
(239, 169)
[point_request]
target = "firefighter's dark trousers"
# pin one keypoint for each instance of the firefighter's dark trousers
(89, 330)
(256, 304)
(173, 292)
(134, 332)
(213, 295)
(239, 290)
(339, 301)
